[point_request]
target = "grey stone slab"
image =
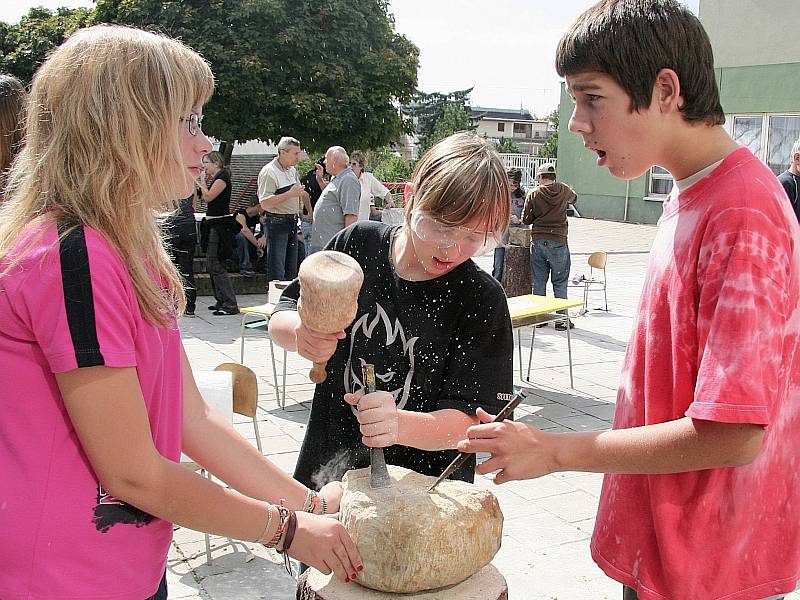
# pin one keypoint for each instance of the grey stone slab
(572, 506)
(584, 423)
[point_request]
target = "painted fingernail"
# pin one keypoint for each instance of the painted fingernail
(360, 567)
(353, 577)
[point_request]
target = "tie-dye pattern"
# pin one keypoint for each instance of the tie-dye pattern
(716, 339)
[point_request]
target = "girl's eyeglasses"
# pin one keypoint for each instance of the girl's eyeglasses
(195, 123)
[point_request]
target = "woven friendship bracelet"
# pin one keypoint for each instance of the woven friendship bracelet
(266, 526)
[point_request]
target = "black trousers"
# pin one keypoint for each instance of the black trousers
(161, 592)
(182, 255)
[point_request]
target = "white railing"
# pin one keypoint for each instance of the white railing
(527, 163)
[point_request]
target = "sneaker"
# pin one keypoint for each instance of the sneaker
(214, 307)
(225, 311)
(540, 325)
(189, 311)
(562, 326)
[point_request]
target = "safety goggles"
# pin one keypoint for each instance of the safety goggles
(473, 243)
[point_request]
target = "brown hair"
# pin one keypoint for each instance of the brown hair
(632, 40)
(459, 179)
(12, 120)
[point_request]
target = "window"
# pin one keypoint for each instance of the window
(521, 128)
(783, 131)
(501, 127)
(747, 131)
(769, 136)
(660, 182)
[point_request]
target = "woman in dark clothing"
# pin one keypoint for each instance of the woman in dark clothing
(181, 233)
(215, 188)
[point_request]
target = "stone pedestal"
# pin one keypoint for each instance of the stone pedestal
(486, 584)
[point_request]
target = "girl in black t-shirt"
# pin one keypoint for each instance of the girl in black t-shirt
(433, 323)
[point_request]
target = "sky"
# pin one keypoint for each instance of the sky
(503, 49)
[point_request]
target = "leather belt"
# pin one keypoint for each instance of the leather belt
(281, 215)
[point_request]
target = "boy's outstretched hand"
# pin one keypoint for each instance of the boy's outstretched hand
(518, 450)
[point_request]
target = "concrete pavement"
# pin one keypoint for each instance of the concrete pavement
(548, 521)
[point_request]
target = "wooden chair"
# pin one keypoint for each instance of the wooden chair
(595, 281)
(241, 398)
(245, 393)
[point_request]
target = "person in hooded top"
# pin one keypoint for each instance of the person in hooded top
(546, 211)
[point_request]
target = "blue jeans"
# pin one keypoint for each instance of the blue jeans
(499, 261)
(550, 259)
(306, 228)
(281, 263)
(243, 252)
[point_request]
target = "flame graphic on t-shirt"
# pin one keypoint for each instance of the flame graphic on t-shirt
(366, 326)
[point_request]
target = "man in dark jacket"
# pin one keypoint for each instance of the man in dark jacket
(790, 179)
(546, 210)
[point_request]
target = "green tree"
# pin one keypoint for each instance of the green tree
(428, 109)
(507, 146)
(550, 147)
(25, 45)
(454, 119)
(388, 166)
(324, 71)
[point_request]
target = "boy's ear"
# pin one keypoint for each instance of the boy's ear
(667, 92)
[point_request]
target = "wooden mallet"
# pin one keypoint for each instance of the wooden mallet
(329, 285)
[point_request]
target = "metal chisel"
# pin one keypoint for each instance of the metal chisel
(378, 473)
(506, 411)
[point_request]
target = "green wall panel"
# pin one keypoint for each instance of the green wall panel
(760, 88)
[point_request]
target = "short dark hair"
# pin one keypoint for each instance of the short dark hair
(632, 40)
(515, 175)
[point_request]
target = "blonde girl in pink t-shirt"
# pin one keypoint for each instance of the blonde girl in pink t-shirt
(97, 398)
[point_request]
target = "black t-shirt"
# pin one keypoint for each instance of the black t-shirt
(309, 182)
(181, 223)
(221, 205)
(443, 343)
(250, 222)
(791, 184)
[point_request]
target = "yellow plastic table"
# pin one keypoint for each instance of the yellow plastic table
(531, 310)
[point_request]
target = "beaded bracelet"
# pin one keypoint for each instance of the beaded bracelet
(314, 500)
(310, 501)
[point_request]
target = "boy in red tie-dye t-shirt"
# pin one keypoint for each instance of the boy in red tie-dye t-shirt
(701, 498)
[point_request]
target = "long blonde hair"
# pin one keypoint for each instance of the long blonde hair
(102, 149)
(460, 179)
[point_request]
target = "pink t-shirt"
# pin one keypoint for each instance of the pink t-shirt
(61, 535)
(715, 338)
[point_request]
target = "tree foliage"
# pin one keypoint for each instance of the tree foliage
(550, 147)
(428, 109)
(454, 119)
(25, 45)
(324, 71)
(507, 146)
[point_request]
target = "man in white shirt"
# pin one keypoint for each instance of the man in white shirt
(280, 194)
